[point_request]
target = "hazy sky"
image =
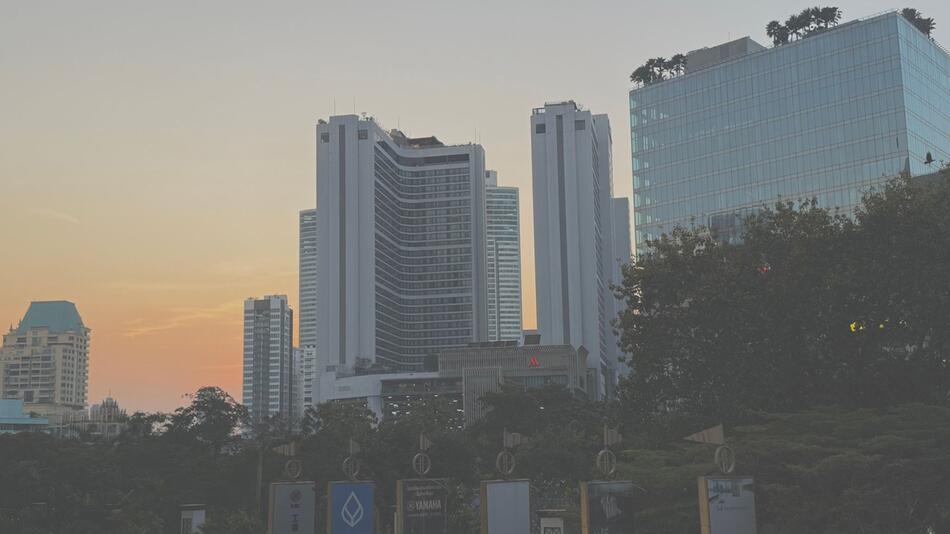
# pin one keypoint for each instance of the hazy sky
(154, 155)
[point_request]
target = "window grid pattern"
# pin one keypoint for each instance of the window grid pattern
(827, 117)
(503, 243)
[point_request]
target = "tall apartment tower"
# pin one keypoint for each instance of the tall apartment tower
(827, 116)
(401, 227)
(573, 241)
(268, 358)
(307, 312)
(503, 242)
(44, 361)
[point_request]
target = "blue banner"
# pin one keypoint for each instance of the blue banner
(350, 507)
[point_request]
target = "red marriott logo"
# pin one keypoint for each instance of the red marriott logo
(533, 362)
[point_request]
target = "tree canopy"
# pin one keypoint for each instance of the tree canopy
(812, 308)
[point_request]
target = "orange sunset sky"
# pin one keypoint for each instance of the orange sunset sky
(154, 155)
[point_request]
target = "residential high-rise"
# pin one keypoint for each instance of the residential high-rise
(401, 228)
(826, 117)
(268, 358)
(45, 360)
(297, 384)
(310, 376)
(573, 243)
(307, 313)
(503, 242)
(307, 309)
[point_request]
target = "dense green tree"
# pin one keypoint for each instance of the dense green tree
(212, 418)
(828, 470)
(824, 471)
(813, 308)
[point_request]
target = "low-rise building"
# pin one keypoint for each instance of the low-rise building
(13, 419)
(465, 375)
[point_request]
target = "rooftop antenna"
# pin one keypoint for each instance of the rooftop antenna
(334, 105)
(354, 105)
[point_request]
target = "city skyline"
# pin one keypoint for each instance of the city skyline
(161, 275)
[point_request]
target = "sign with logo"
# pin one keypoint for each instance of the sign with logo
(727, 505)
(421, 506)
(552, 525)
(351, 508)
(534, 362)
(607, 507)
(506, 506)
(292, 508)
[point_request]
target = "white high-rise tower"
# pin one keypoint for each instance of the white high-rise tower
(401, 230)
(571, 172)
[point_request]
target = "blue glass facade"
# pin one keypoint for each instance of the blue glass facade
(828, 117)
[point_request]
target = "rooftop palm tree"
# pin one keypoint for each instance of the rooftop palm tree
(777, 31)
(657, 67)
(797, 25)
(924, 24)
(829, 16)
(676, 65)
(641, 75)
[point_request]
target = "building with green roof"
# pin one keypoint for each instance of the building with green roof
(44, 361)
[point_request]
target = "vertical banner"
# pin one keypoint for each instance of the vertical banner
(351, 508)
(292, 508)
(607, 507)
(421, 506)
(727, 505)
(506, 506)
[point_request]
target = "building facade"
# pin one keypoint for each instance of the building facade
(465, 375)
(825, 117)
(307, 312)
(307, 307)
(44, 361)
(310, 372)
(486, 367)
(503, 254)
(573, 241)
(268, 358)
(401, 227)
(14, 419)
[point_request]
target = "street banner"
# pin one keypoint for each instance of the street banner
(607, 507)
(506, 506)
(351, 508)
(422, 506)
(292, 508)
(727, 505)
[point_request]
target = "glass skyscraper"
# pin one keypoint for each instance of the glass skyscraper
(826, 117)
(503, 254)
